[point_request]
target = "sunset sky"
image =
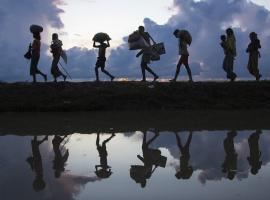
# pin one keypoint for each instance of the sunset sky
(77, 21)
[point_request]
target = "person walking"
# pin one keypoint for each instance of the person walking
(254, 55)
(231, 54)
(146, 54)
(35, 51)
(183, 51)
(101, 60)
(56, 50)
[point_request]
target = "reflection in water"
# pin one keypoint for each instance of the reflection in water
(59, 159)
(200, 155)
(103, 170)
(151, 159)
(35, 162)
(186, 170)
(255, 153)
(230, 164)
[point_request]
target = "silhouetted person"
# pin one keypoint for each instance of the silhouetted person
(35, 58)
(230, 164)
(103, 170)
(146, 55)
(255, 153)
(254, 55)
(151, 160)
(101, 60)
(59, 159)
(35, 162)
(56, 50)
(186, 170)
(183, 51)
(230, 54)
(226, 65)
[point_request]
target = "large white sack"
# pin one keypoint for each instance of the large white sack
(139, 44)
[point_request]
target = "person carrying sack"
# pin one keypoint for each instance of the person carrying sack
(101, 60)
(56, 50)
(146, 54)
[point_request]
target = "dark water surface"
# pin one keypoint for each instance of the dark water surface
(147, 163)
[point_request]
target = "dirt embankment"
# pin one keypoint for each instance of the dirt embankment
(134, 96)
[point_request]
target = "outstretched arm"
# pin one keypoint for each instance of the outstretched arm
(140, 53)
(108, 43)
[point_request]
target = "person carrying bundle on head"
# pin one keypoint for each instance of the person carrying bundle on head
(101, 60)
(185, 39)
(56, 50)
(35, 52)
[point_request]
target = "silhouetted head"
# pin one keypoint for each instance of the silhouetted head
(37, 36)
(39, 184)
(54, 36)
(185, 173)
(57, 173)
(253, 36)
(223, 38)
(176, 32)
(231, 175)
(232, 134)
(141, 29)
(229, 32)
(103, 173)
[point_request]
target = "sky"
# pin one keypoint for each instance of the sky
(77, 21)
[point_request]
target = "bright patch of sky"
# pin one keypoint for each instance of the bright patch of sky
(84, 18)
(118, 18)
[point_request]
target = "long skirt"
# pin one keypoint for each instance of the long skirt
(55, 71)
(34, 63)
(253, 63)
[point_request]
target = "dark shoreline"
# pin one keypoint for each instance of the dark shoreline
(63, 123)
(133, 96)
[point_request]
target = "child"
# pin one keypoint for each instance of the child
(102, 59)
(223, 44)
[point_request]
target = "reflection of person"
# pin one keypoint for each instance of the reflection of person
(103, 170)
(146, 56)
(230, 164)
(255, 153)
(101, 60)
(59, 159)
(56, 50)
(186, 170)
(35, 162)
(35, 57)
(183, 51)
(254, 55)
(151, 157)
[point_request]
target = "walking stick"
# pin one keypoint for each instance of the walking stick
(65, 70)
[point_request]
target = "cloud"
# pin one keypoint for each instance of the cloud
(206, 20)
(15, 19)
